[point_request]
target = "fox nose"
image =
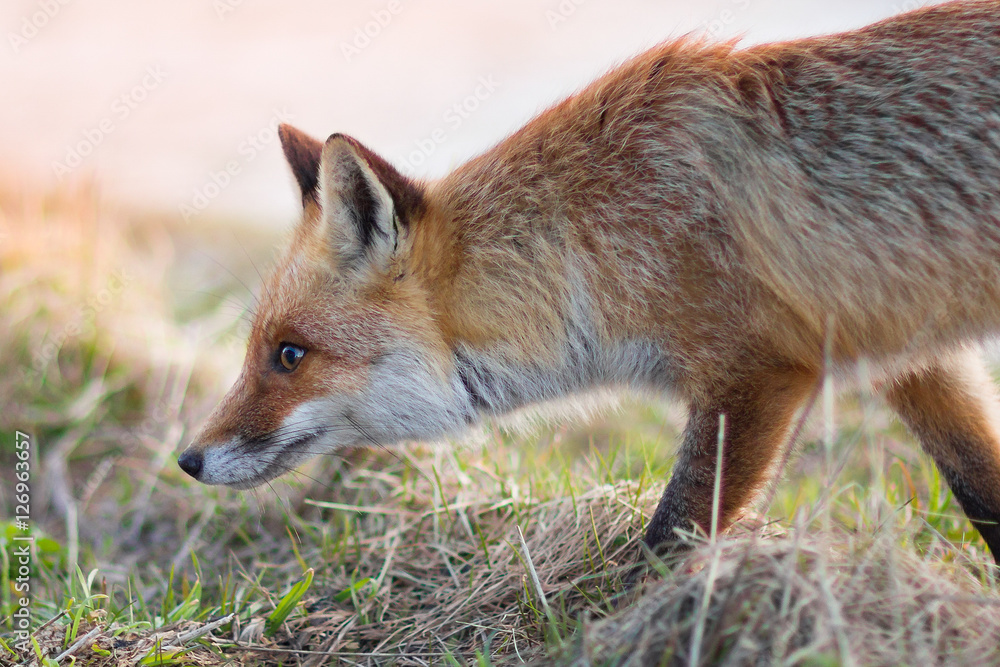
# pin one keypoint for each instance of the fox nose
(191, 462)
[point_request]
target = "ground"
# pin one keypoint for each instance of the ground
(119, 331)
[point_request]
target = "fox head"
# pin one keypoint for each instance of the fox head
(344, 349)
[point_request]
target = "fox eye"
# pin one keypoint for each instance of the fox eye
(290, 355)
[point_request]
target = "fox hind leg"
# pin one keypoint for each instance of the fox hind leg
(952, 409)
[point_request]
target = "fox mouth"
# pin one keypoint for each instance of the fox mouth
(281, 457)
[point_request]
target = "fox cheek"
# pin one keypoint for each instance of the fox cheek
(409, 398)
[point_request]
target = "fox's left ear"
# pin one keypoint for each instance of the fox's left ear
(303, 153)
(366, 204)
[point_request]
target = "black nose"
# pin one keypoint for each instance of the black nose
(190, 462)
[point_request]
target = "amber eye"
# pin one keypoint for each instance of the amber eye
(290, 355)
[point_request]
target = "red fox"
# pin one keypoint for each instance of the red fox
(721, 224)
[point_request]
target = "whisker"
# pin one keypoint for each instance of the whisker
(227, 270)
(370, 439)
(277, 497)
(296, 471)
(228, 299)
(260, 505)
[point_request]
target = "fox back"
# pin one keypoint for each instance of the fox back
(724, 225)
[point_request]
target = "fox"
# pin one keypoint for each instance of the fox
(723, 225)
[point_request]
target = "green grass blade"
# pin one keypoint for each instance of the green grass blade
(188, 608)
(350, 591)
(288, 603)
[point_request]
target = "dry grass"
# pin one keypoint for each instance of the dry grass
(806, 599)
(455, 580)
(418, 553)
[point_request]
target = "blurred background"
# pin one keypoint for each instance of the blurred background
(149, 99)
(143, 193)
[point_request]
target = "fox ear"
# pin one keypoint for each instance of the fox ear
(366, 203)
(303, 155)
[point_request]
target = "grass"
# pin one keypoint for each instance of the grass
(119, 332)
